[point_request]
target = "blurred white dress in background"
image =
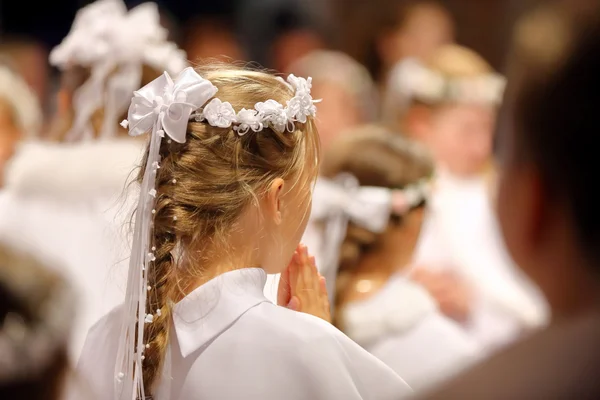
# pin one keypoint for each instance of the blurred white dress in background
(66, 204)
(460, 233)
(402, 326)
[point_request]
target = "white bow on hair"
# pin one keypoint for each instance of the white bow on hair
(171, 103)
(114, 44)
(366, 206)
(338, 201)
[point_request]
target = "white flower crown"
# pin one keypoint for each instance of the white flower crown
(269, 113)
(415, 81)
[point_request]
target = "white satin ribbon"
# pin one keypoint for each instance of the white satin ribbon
(338, 201)
(163, 106)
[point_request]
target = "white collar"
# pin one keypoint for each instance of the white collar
(214, 306)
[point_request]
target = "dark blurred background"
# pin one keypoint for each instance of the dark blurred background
(348, 25)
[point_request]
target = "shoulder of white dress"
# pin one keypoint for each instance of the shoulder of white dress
(71, 170)
(108, 324)
(295, 328)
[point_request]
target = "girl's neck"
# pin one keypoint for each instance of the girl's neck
(211, 266)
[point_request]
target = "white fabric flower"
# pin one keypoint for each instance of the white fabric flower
(273, 113)
(300, 107)
(248, 119)
(219, 114)
(299, 84)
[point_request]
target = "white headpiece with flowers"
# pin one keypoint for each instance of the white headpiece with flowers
(164, 107)
(411, 80)
(115, 45)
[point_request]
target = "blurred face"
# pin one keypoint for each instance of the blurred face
(460, 137)
(292, 46)
(426, 29)
(212, 42)
(338, 111)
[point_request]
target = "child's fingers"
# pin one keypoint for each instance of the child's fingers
(323, 288)
(310, 274)
(315, 272)
(303, 254)
(294, 304)
(284, 290)
(313, 262)
(322, 284)
(296, 256)
(294, 271)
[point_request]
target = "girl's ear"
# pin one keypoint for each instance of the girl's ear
(274, 195)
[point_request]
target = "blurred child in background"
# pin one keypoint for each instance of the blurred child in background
(415, 29)
(448, 103)
(65, 200)
(376, 304)
(548, 205)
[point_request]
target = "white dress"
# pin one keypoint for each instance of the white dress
(460, 233)
(401, 326)
(230, 342)
(66, 204)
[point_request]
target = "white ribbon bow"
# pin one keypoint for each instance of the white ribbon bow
(366, 206)
(169, 102)
(341, 200)
(114, 44)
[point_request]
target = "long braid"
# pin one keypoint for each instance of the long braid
(161, 279)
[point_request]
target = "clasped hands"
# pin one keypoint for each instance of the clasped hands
(302, 288)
